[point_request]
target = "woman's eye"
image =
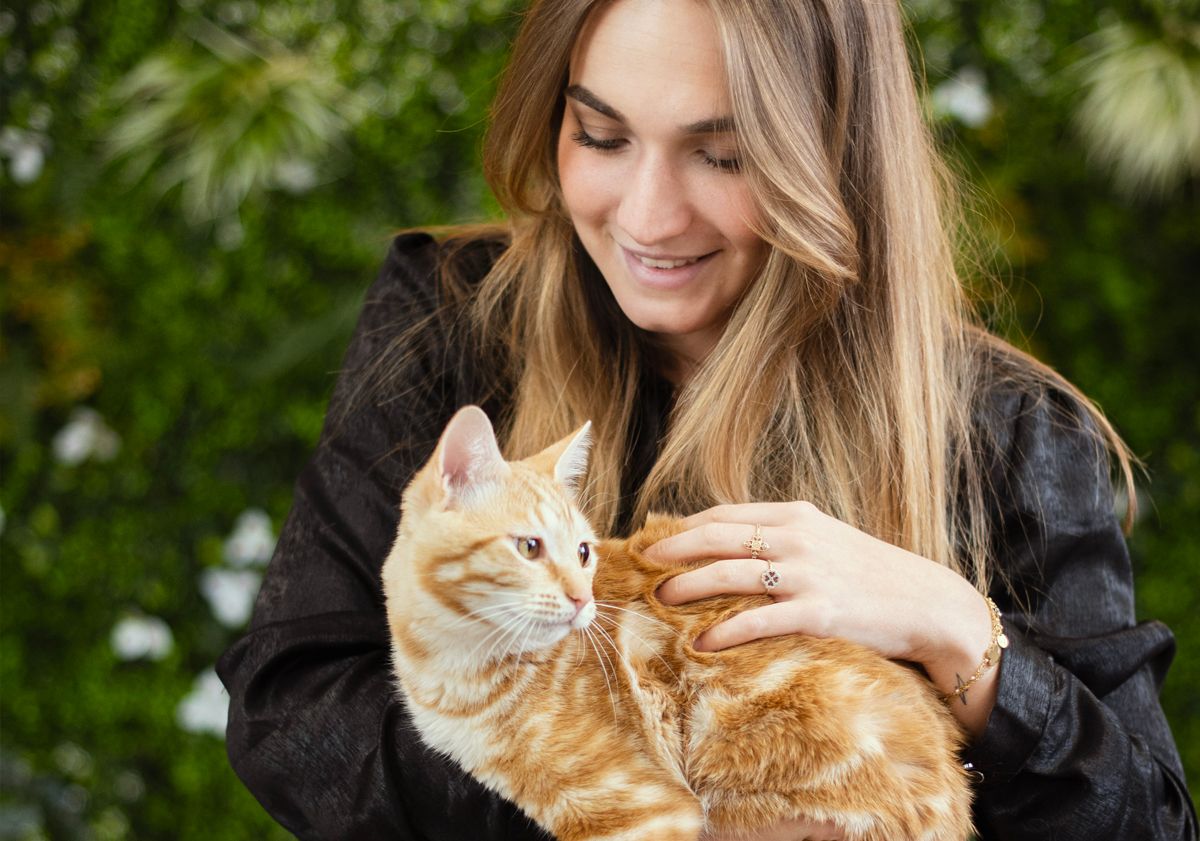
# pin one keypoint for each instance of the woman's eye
(529, 547)
(585, 554)
(723, 164)
(588, 142)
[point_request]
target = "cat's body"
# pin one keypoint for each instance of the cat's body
(615, 727)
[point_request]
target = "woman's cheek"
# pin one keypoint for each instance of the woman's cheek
(586, 180)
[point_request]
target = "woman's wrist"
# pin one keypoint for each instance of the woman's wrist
(954, 649)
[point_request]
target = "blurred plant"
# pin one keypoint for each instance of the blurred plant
(226, 123)
(54, 326)
(1140, 109)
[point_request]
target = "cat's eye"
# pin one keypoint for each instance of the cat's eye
(529, 547)
(585, 554)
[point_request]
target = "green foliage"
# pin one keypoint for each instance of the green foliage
(194, 198)
(228, 121)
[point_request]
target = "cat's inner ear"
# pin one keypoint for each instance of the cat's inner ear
(567, 459)
(469, 459)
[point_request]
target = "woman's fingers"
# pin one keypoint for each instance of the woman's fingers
(751, 514)
(713, 540)
(733, 576)
(771, 620)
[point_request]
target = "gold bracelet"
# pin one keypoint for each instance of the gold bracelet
(990, 657)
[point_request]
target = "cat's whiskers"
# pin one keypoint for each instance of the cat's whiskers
(601, 658)
(511, 638)
(520, 640)
(509, 631)
(628, 665)
(636, 613)
(510, 617)
(650, 646)
(485, 613)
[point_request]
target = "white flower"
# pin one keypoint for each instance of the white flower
(85, 436)
(26, 164)
(230, 594)
(964, 97)
(206, 708)
(73, 760)
(296, 175)
(138, 637)
(26, 153)
(252, 540)
(129, 786)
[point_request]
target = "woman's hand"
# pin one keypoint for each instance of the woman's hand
(835, 581)
(797, 830)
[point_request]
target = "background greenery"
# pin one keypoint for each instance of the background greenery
(194, 197)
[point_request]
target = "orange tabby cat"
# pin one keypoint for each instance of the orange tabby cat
(598, 718)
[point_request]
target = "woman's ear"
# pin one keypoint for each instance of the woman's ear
(468, 457)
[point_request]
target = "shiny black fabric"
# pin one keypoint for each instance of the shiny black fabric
(1077, 747)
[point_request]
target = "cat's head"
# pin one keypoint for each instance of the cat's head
(502, 545)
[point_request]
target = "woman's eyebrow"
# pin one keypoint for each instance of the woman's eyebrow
(585, 96)
(713, 125)
(716, 125)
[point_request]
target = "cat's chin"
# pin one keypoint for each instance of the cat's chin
(548, 634)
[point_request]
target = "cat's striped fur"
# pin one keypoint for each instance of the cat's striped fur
(597, 717)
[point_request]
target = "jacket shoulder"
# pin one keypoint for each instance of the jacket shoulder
(433, 266)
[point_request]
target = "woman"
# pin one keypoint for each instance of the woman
(728, 248)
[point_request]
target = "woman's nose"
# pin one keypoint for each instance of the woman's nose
(654, 204)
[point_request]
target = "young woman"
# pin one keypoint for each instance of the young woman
(728, 245)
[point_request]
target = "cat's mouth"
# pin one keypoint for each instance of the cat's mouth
(551, 631)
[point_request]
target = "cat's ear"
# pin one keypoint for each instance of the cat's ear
(468, 457)
(567, 459)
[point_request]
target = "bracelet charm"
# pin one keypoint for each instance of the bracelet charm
(990, 657)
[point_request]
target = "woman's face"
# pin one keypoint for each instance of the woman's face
(647, 159)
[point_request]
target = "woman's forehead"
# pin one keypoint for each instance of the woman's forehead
(649, 58)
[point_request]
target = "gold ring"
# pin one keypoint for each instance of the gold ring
(756, 544)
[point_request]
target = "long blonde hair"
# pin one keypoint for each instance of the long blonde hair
(847, 372)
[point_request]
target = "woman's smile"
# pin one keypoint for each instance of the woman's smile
(665, 272)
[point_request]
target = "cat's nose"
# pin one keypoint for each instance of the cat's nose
(580, 604)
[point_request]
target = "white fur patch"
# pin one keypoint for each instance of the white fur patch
(778, 674)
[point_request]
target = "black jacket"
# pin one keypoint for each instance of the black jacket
(1077, 747)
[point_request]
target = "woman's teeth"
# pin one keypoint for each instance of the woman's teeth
(666, 264)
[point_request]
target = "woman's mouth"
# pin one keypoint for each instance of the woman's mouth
(665, 272)
(666, 262)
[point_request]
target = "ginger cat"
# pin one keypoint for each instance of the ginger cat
(596, 716)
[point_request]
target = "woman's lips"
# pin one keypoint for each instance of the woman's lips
(665, 262)
(665, 271)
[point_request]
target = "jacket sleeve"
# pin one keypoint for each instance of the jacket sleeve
(316, 730)
(1077, 746)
